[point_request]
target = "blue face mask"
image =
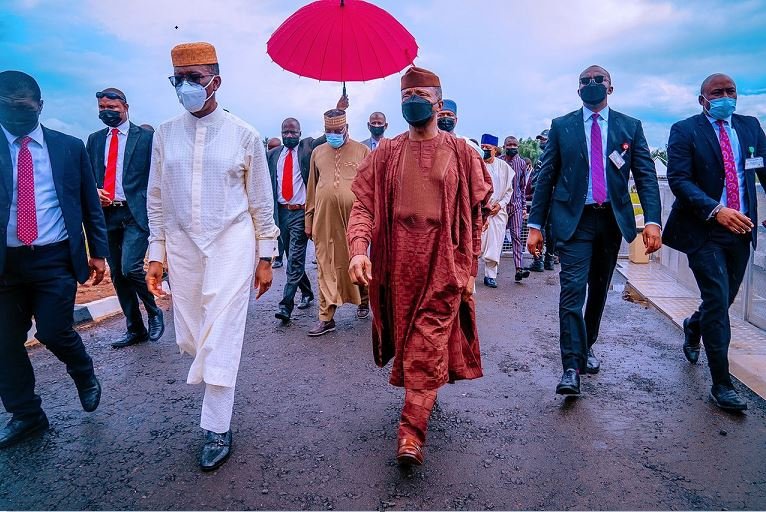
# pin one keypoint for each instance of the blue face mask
(335, 140)
(722, 108)
(193, 96)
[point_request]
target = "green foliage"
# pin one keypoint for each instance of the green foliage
(528, 148)
(662, 153)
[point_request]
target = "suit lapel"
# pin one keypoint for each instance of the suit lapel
(579, 128)
(708, 133)
(134, 133)
(743, 136)
(612, 129)
(6, 169)
(57, 158)
(100, 150)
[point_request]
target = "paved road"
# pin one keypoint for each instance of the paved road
(315, 424)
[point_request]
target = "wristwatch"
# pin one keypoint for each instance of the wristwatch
(715, 212)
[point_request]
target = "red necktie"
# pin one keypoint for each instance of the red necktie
(26, 211)
(597, 177)
(287, 177)
(110, 178)
(729, 167)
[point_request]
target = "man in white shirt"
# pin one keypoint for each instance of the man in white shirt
(210, 211)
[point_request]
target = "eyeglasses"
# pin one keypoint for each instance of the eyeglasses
(599, 79)
(110, 95)
(176, 80)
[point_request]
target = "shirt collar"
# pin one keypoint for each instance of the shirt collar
(212, 118)
(36, 135)
(588, 113)
(124, 127)
(713, 120)
(285, 149)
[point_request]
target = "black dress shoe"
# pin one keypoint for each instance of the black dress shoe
(488, 281)
(19, 429)
(277, 264)
(322, 328)
(131, 339)
(283, 314)
(548, 263)
(593, 365)
(90, 393)
(727, 398)
(521, 273)
(363, 311)
(305, 302)
(691, 343)
(570, 383)
(536, 266)
(156, 326)
(215, 451)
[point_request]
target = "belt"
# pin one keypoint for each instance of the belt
(598, 207)
(38, 248)
(292, 207)
(117, 204)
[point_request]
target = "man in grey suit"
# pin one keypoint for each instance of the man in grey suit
(583, 186)
(120, 156)
(377, 126)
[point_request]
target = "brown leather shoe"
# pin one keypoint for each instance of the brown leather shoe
(322, 328)
(410, 452)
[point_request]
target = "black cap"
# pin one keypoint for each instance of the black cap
(543, 134)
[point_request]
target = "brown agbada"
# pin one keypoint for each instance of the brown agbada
(419, 208)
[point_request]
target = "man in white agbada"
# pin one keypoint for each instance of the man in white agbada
(494, 229)
(210, 210)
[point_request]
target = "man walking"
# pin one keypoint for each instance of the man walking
(210, 211)
(377, 126)
(120, 156)
(517, 208)
(419, 211)
(712, 161)
(331, 172)
(591, 153)
(47, 196)
(289, 169)
(497, 218)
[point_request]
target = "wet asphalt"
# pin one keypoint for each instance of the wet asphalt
(315, 422)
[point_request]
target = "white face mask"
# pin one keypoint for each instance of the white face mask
(193, 96)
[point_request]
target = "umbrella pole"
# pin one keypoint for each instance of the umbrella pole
(344, 88)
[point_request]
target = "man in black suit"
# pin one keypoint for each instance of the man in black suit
(47, 196)
(120, 156)
(712, 161)
(292, 159)
(583, 186)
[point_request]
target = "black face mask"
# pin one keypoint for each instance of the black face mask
(376, 131)
(593, 94)
(446, 124)
(290, 142)
(511, 152)
(110, 118)
(487, 154)
(417, 111)
(19, 122)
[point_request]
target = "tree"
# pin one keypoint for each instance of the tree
(662, 153)
(528, 148)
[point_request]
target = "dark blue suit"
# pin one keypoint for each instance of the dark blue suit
(588, 239)
(717, 257)
(41, 281)
(128, 226)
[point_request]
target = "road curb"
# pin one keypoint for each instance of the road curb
(88, 312)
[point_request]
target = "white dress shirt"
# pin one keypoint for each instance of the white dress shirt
(299, 188)
(50, 218)
(122, 140)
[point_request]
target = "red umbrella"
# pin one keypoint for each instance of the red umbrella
(342, 41)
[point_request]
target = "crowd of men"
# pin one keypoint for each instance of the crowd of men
(398, 224)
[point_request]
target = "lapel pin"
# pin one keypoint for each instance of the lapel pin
(625, 148)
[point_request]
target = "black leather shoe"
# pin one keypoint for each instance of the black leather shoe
(691, 343)
(488, 281)
(536, 266)
(570, 383)
(727, 398)
(593, 365)
(156, 326)
(363, 311)
(19, 429)
(521, 274)
(215, 451)
(283, 314)
(306, 302)
(277, 264)
(322, 328)
(90, 394)
(131, 339)
(548, 263)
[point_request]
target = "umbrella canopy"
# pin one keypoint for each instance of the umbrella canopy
(342, 41)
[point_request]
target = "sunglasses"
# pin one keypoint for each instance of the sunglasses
(599, 79)
(110, 95)
(176, 80)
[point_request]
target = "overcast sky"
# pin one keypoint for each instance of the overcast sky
(511, 66)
